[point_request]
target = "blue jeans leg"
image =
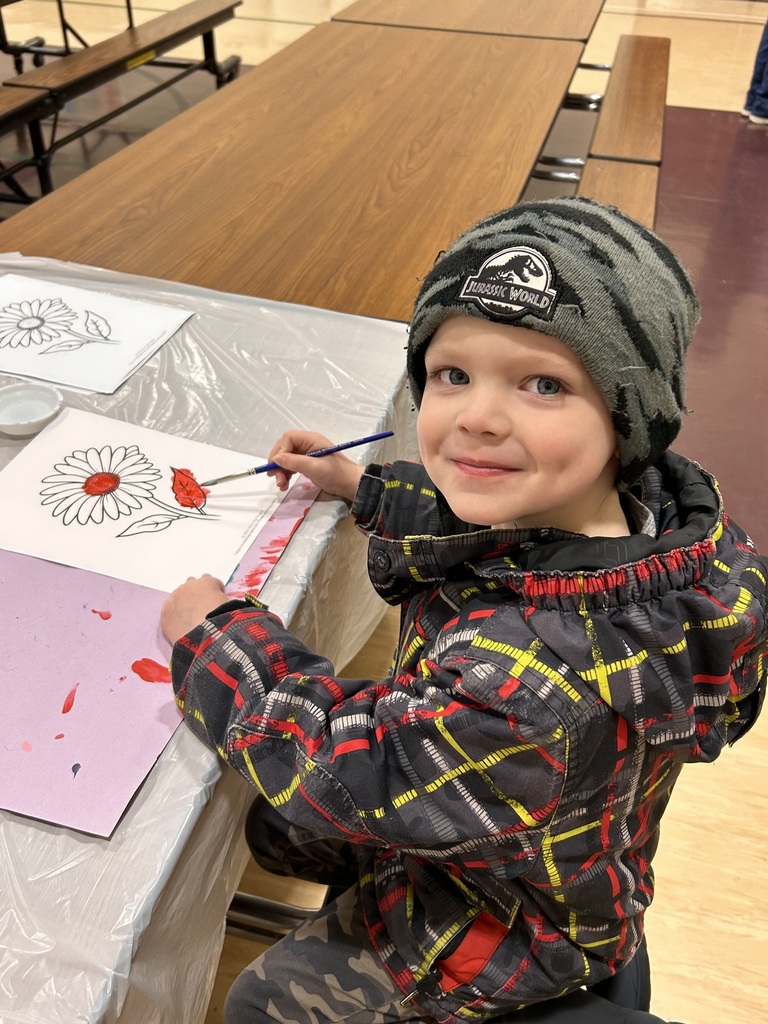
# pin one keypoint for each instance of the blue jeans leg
(757, 97)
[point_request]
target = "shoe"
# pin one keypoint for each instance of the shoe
(754, 119)
(745, 112)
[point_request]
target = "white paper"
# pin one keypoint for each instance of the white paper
(97, 493)
(79, 338)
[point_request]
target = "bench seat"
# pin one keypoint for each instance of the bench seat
(20, 106)
(49, 87)
(83, 70)
(630, 186)
(630, 124)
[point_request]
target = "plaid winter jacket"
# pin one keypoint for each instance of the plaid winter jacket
(505, 784)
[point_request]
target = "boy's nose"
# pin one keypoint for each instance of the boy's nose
(483, 413)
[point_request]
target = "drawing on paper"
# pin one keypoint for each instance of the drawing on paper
(40, 321)
(92, 484)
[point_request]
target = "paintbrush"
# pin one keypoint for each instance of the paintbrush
(315, 455)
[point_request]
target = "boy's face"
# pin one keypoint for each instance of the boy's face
(513, 431)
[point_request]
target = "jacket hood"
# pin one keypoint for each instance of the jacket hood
(670, 630)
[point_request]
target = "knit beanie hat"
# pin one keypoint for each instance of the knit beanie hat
(594, 279)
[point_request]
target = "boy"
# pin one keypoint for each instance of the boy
(579, 619)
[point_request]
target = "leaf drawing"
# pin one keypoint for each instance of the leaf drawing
(152, 524)
(63, 346)
(186, 490)
(96, 325)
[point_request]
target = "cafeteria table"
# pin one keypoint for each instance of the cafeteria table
(332, 174)
(557, 19)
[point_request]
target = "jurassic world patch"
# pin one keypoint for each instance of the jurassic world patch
(513, 282)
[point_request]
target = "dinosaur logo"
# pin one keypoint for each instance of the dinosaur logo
(512, 283)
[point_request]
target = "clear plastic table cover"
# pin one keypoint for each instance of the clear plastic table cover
(130, 928)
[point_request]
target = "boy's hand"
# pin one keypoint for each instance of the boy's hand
(189, 604)
(335, 474)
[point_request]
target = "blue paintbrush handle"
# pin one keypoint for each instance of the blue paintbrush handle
(328, 451)
(315, 455)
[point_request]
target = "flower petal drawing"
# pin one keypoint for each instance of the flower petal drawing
(34, 321)
(91, 484)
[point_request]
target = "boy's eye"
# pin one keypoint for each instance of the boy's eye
(452, 375)
(544, 386)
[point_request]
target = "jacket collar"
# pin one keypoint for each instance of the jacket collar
(682, 498)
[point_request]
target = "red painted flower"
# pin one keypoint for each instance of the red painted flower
(89, 485)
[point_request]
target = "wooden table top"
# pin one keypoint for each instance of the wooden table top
(563, 19)
(330, 175)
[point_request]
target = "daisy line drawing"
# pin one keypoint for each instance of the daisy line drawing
(97, 483)
(41, 321)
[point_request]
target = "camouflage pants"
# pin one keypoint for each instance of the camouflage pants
(324, 972)
(327, 972)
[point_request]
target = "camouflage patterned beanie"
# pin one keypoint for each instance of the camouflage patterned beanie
(591, 277)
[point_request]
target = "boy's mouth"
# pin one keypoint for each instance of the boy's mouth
(481, 467)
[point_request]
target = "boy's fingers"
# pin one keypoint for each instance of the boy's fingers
(298, 442)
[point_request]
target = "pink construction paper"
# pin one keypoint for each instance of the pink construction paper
(86, 696)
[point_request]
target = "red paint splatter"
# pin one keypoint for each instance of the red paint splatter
(150, 671)
(26, 746)
(102, 615)
(69, 700)
(59, 736)
(122, 679)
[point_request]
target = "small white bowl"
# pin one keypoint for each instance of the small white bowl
(26, 408)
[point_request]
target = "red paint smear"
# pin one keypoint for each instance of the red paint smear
(254, 579)
(69, 700)
(59, 736)
(102, 615)
(26, 746)
(150, 671)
